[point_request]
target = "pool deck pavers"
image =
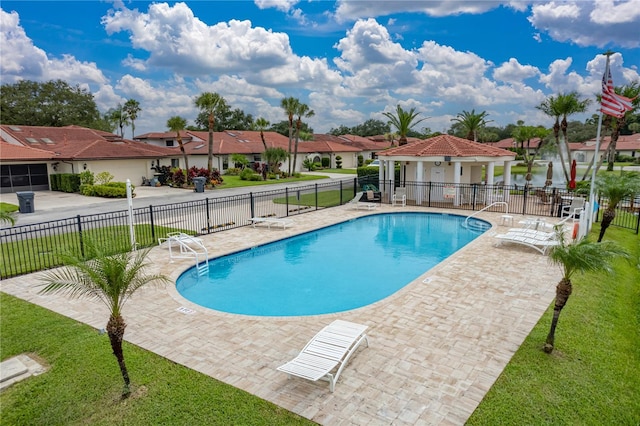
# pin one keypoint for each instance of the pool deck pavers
(435, 347)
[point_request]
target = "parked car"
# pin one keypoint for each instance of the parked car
(374, 163)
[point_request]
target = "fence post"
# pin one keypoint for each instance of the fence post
(525, 193)
(252, 205)
(429, 197)
(316, 185)
(286, 199)
(206, 206)
(153, 227)
(80, 236)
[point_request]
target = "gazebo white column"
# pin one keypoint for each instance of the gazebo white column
(419, 181)
(456, 181)
(507, 179)
(490, 171)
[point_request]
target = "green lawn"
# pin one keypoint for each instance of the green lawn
(593, 376)
(24, 256)
(83, 384)
(236, 182)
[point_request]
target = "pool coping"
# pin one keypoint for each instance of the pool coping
(436, 345)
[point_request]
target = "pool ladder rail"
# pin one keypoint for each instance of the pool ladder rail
(190, 247)
(478, 225)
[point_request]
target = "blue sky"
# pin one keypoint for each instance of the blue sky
(348, 60)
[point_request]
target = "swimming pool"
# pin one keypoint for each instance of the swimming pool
(333, 269)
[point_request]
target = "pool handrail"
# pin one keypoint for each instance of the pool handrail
(506, 211)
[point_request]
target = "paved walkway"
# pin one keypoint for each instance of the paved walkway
(436, 346)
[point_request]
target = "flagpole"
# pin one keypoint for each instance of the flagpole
(592, 198)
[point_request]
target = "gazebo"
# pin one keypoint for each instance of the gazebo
(447, 162)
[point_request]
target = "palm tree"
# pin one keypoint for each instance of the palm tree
(261, 124)
(118, 117)
(132, 108)
(273, 157)
(403, 121)
(8, 217)
(301, 111)
(615, 188)
(112, 279)
(581, 256)
(210, 103)
(177, 124)
(522, 134)
(290, 105)
(472, 122)
(562, 106)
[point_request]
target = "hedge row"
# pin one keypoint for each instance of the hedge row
(65, 182)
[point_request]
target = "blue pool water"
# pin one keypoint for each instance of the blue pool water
(334, 269)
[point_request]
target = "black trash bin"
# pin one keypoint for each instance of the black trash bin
(199, 183)
(25, 201)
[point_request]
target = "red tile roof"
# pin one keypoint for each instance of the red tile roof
(79, 143)
(10, 152)
(446, 145)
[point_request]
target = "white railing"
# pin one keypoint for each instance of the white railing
(501, 203)
(185, 242)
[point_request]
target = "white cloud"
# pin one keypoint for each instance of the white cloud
(513, 71)
(348, 10)
(589, 23)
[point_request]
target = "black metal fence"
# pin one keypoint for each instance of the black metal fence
(30, 248)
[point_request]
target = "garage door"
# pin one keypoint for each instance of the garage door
(23, 177)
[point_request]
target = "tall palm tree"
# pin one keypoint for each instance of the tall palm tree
(578, 257)
(111, 279)
(290, 105)
(472, 122)
(210, 103)
(261, 124)
(563, 105)
(178, 124)
(403, 121)
(132, 108)
(118, 117)
(302, 110)
(615, 188)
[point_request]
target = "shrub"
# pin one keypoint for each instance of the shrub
(164, 173)
(248, 173)
(338, 162)
(69, 182)
(326, 162)
(178, 177)
(360, 160)
(232, 171)
(87, 178)
(87, 190)
(103, 178)
(309, 164)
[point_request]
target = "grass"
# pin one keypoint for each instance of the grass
(328, 198)
(236, 182)
(83, 384)
(24, 256)
(592, 378)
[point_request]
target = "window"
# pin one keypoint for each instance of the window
(169, 142)
(175, 162)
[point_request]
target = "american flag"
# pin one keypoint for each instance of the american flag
(612, 103)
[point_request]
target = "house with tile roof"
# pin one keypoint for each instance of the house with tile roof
(29, 154)
(443, 159)
(628, 145)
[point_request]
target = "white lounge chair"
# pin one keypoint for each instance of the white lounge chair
(399, 197)
(328, 351)
(268, 221)
(355, 203)
(537, 240)
(179, 237)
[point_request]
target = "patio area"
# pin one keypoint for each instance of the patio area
(435, 347)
